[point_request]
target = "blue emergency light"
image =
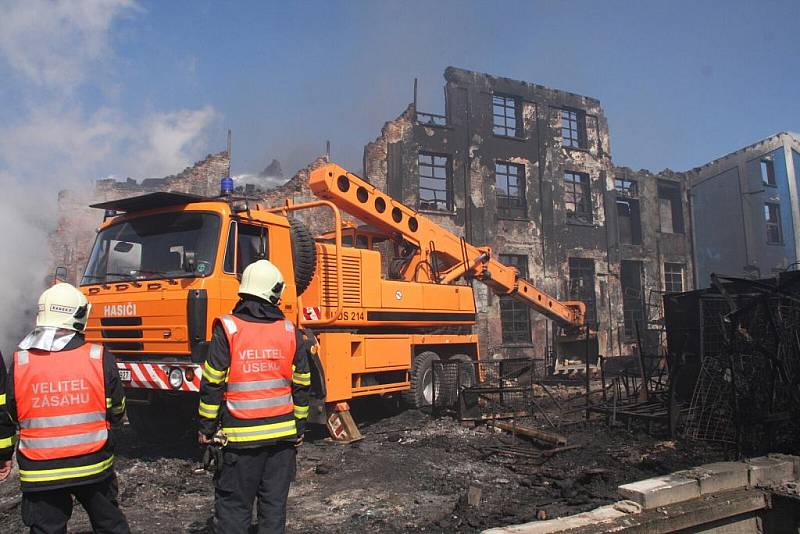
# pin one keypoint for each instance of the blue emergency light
(226, 185)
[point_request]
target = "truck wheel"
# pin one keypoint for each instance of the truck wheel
(163, 421)
(466, 372)
(421, 377)
(304, 255)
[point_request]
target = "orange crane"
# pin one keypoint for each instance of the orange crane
(165, 265)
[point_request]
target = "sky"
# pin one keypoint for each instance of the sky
(142, 88)
(136, 88)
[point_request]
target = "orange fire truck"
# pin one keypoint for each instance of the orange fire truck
(165, 265)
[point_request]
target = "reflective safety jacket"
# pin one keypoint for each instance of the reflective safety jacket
(255, 380)
(63, 410)
(260, 373)
(64, 403)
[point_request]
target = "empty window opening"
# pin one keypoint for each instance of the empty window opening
(629, 225)
(768, 172)
(581, 286)
(670, 208)
(624, 187)
(632, 297)
(510, 185)
(573, 128)
(435, 182)
(673, 277)
(577, 198)
(772, 218)
(505, 110)
(515, 317)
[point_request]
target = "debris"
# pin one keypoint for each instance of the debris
(532, 433)
(474, 496)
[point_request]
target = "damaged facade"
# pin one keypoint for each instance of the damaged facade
(527, 170)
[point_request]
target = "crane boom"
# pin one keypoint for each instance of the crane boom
(439, 255)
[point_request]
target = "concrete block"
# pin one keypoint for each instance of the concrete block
(720, 476)
(594, 518)
(791, 458)
(766, 471)
(661, 491)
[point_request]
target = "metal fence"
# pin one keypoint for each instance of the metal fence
(486, 389)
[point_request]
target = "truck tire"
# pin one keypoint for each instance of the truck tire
(420, 394)
(466, 372)
(304, 255)
(165, 420)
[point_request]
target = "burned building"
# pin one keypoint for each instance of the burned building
(754, 190)
(527, 170)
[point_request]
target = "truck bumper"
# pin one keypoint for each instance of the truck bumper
(163, 376)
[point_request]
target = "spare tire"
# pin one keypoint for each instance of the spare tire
(304, 255)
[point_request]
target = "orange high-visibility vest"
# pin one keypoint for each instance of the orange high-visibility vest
(61, 404)
(260, 375)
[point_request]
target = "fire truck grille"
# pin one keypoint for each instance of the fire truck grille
(351, 281)
(132, 333)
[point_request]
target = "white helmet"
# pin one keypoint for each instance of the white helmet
(263, 280)
(63, 306)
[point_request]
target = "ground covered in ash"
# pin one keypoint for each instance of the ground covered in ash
(412, 472)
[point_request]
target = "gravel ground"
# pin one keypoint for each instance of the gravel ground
(411, 473)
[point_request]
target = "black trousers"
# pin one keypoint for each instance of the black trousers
(47, 512)
(263, 472)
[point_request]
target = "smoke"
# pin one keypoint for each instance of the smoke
(54, 137)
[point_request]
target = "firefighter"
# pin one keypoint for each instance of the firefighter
(7, 430)
(64, 395)
(254, 392)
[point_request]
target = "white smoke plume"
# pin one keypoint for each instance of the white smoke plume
(51, 51)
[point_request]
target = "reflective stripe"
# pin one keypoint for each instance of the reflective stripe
(229, 324)
(255, 433)
(259, 384)
(108, 403)
(96, 352)
(209, 411)
(46, 475)
(259, 403)
(62, 441)
(301, 412)
(62, 420)
(212, 375)
(22, 357)
(116, 410)
(3, 399)
(302, 379)
(6, 443)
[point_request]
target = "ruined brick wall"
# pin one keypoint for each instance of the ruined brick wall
(72, 241)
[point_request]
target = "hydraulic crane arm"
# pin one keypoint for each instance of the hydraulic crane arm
(441, 256)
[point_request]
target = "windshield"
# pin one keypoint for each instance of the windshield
(168, 245)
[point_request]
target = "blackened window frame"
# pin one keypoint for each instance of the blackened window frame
(767, 167)
(673, 274)
(572, 188)
(573, 128)
(633, 305)
(446, 166)
(771, 224)
(583, 269)
(510, 206)
(515, 317)
(631, 190)
(671, 191)
(502, 122)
